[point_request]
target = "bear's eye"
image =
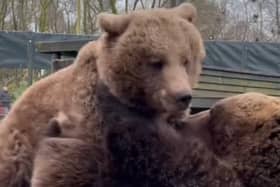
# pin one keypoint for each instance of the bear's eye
(156, 63)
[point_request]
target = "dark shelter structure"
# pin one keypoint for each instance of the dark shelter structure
(230, 67)
(17, 50)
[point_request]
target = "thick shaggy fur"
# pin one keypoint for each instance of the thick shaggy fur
(238, 139)
(246, 133)
(138, 150)
(70, 92)
(68, 162)
(146, 151)
(142, 62)
(145, 66)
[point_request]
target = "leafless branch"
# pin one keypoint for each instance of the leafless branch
(153, 4)
(135, 4)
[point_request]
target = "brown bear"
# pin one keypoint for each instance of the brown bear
(167, 64)
(148, 63)
(152, 59)
(246, 133)
(70, 92)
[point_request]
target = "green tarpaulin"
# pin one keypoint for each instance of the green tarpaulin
(247, 57)
(17, 49)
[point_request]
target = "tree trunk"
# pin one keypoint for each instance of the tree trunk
(79, 17)
(34, 4)
(126, 6)
(159, 3)
(22, 18)
(113, 6)
(56, 7)
(68, 23)
(142, 4)
(43, 20)
(101, 5)
(247, 20)
(153, 4)
(14, 16)
(135, 4)
(85, 15)
(3, 12)
(277, 18)
(261, 20)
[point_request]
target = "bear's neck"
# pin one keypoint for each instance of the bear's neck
(112, 110)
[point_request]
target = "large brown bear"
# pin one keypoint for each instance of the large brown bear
(245, 131)
(152, 58)
(148, 63)
(66, 95)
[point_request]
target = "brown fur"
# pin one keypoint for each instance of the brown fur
(65, 162)
(144, 151)
(242, 131)
(246, 133)
(150, 57)
(146, 59)
(147, 151)
(70, 91)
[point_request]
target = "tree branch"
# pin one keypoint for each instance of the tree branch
(126, 6)
(135, 4)
(153, 4)
(113, 6)
(142, 4)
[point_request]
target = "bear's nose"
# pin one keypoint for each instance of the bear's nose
(183, 100)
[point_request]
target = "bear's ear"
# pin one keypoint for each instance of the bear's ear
(186, 11)
(113, 24)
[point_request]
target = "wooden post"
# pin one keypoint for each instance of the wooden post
(55, 56)
(30, 61)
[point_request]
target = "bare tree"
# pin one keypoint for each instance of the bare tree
(15, 25)
(3, 13)
(113, 6)
(277, 18)
(43, 20)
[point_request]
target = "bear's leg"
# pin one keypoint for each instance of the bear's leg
(63, 162)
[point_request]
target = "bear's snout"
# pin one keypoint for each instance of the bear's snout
(176, 101)
(183, 100)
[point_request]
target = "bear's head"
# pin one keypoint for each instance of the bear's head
(152, 58)
(241, 123)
